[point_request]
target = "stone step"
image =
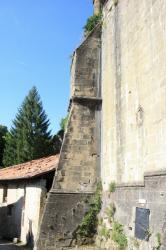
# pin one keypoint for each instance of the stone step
(76, 248)
(85, 248)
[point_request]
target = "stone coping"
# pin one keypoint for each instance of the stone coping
(155, 173)
(142, 184)
(85, 99)
(68, 192)
(130, 185)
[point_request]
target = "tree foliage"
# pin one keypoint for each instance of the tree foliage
(63, 123)
(57, 141)
(58, 138)
(3, 132)
(29, 137)
(92, 22)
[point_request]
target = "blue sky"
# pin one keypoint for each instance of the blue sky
(37, 38)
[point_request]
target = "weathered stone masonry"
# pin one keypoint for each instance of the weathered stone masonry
(129, 64)
(78, 171)
(150, 195)
(134, 115)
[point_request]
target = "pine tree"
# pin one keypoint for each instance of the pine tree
(29, 137)
(3, 132)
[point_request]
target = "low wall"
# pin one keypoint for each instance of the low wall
(151, 198)
(63, 213)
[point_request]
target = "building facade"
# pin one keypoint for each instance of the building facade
(116, 129)
(134, 117)
(23, 190)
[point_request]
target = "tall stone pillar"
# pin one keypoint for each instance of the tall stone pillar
(97, 6)
(79, 165)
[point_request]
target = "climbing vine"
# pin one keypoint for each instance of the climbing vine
(88, 226)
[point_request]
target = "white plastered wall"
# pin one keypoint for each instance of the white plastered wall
(31, 212)
(26, 199)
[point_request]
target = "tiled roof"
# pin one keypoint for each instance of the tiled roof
(30, 169)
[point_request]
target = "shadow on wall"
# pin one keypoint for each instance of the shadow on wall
(11, 221)
(30, 237)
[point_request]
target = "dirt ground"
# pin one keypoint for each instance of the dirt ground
(11, 246)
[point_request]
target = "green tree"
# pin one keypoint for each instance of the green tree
(29, 137)
(3, 132)
(58, 138)
(63, 123)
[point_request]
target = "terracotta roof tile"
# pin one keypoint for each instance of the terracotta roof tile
(30, 169)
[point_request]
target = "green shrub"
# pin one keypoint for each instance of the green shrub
(88, 226)
(110, 211)
(92, 22)
(158, 235)
(104, 232)
(118, 235)
(112, 187)
(100, 221)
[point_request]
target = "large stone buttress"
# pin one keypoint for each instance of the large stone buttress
(78, 172)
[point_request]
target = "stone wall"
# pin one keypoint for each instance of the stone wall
(134, 114)
(97, 6)
(79, 156)
(129, 65)
(133, 90)
(78, 170)
(152, 196)
(63, 214)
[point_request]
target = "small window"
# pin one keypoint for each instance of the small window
(5, 193)
(142, 223)
(9, 210)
